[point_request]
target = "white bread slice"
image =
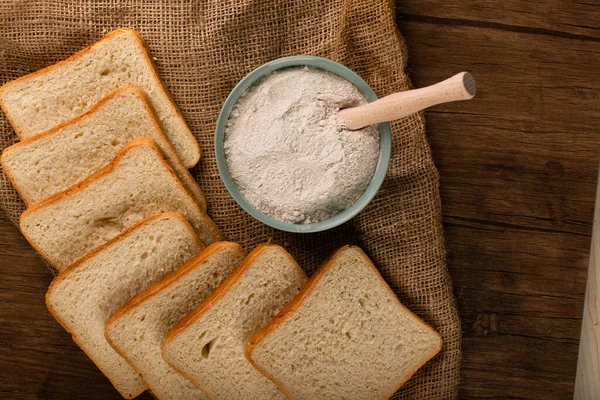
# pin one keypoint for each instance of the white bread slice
(345, 336)
(138, 328)
(53, 161)
(39, 101)
(135, 185)
(207, 346)
(85, 295)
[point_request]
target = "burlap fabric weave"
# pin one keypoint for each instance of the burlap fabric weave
(203, 48)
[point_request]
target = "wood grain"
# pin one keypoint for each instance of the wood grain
(562, 18)
(518, 168)
(399, 105)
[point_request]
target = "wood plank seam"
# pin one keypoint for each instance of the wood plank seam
(495, 25)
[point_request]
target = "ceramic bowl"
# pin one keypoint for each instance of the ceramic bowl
(385, 143)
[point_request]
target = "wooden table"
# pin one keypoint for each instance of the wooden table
(518, 171)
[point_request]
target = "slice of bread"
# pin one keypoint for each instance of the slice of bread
(39, 101)
(138, 328)
(85, 295)
(207, 346)
(345, 336)
(53, 161)
(135, 185)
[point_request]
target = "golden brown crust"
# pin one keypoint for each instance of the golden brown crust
(58, 127)
(123, 234)
(75, 188)
(104, 372)
(74, 57)
(9, 117)
(221, 291)
(266, 374)
(99, 174)
(158, 287)
(186, 376)
(198, 195)
(410, 313)
(170, 279)
(291, 307)
(167, 93)
(65, 61)
(100, 42)
(76, 264)
(224, 288)
(11, 179)
(81, 117)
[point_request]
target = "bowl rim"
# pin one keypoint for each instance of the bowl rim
(370, 191)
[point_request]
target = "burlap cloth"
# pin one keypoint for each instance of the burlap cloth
(203, 48)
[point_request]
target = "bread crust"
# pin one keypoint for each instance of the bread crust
(104, 372)
(9, 117)
(171, 278)
(168, 94)
(308, 288)
(221, 291)
(49, 132)
(11, 179)
(93, 253)
(198, 194)
(146, 53)
(158, 287)
(100, 173)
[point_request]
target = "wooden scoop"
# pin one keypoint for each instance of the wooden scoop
(399, 105)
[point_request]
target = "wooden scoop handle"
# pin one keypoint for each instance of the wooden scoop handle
(398, 105)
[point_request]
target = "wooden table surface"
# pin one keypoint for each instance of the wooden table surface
(518, 169)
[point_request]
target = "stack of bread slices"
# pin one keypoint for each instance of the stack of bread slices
(145, 284)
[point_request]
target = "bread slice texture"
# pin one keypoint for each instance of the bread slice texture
(84, 297)
(55, 160)
(39, 101)
(345, 336)
(207, 346)
(138, 328)
(136, 184)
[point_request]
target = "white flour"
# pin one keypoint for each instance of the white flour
(288, 151)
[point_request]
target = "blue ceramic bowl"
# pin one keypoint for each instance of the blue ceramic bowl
(385, 142)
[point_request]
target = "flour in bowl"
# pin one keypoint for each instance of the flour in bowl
(288, 151)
